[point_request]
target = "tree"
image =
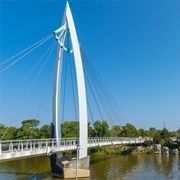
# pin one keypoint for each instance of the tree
(33, 123)
(129, 131)
(116, 131)
(143, 133)
(101, 129)
(90, 130)
(7, 133)
(28, 130)
(2, 130)
(44, 132)
(157, 137)
(70, 129)
(165, 133)
(152, 131)
(10, 133)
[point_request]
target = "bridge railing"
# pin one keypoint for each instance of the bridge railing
(11, 146)
(32, 144)
(95, 141)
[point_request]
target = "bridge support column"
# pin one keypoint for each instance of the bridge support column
(63, 166)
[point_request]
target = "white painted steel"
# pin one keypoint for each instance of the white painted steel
(83, 131)
(57, 78)
(83, 124)
(15, 149)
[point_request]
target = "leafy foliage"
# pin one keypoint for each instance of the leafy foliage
(70, 129)
(130, 131)
(101, 129)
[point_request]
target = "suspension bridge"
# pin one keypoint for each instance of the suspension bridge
(55, 145)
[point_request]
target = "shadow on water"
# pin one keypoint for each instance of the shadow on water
(101, 158)
(105, 157)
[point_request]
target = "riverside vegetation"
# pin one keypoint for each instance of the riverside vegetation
(70, 129)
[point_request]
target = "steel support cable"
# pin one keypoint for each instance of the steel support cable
(107, 106)
(96, 75)
(40, 70)
(31, 86)
(114, 103)
(99, 91)
(46, 86)
(94, 98)
(47, 37)
(26, 77)
(90, 111)
(7, 67)
(100, 96)
(42, 100)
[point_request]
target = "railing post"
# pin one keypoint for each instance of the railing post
(21, 146)
(27, 145)
(30, 145)
(39, 144)
(34, 144)
(11, 147)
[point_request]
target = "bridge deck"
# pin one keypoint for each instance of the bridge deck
(15, 149)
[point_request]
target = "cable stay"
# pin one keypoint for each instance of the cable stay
(34, 46)
(107, 92)
(107, 99)
(48, 53)
(105, 103)
(26, 77)
(103, 99)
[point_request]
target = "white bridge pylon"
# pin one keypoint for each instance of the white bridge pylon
(68, 25)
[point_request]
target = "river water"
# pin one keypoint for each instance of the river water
(102, 167)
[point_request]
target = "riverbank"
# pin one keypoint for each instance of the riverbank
(142, 149)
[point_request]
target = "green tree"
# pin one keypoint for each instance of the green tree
(165, 133)
(129, 131)
(90, 130)
(28, 130)
(10, 133)
(33, 123)
(70, 129)
(44, 132)
(2, 130)
(143, 133)
(101, 129)
(152, 131)
(116, 131)
(157, 137)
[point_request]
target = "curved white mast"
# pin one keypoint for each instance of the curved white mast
(69, 23)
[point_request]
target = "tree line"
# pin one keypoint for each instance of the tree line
(70, 129)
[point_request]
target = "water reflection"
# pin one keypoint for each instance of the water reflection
(110, 167)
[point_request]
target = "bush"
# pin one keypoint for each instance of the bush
(148, 143)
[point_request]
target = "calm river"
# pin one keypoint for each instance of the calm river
(103, 167)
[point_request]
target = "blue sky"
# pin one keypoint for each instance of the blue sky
(134, 45)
